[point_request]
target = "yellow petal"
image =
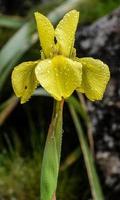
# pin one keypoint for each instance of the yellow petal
(24, 80)
(46, 34)
(65, 32)
(95, 76)
(59, 76)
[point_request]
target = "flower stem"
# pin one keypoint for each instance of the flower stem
(52, 152)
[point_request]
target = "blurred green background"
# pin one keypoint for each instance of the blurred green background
(23, 128)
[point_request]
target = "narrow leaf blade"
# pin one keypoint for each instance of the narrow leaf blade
(89, 162)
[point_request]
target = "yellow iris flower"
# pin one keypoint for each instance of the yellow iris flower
(59, 71)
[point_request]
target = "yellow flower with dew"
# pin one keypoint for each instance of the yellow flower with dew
(59, 71)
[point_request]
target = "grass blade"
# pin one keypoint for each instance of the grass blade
(79, 107)
(82, 110)
(11, 22)
(89, 162)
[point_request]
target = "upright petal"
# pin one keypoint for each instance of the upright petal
(95, 76)
(24, 80)
(59, 76)
(46, 34)
(65, 32)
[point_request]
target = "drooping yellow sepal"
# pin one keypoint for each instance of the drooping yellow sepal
(95, 76)
(46, 34)
(59, 76)
(24, 80)
(65, 32)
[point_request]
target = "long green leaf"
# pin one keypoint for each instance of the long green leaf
(89, 162)
(17, 45)
(11, 22)
(52, 152)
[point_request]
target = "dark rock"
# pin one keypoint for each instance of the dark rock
(102, 40)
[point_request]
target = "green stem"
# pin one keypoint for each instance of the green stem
(52, 152)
